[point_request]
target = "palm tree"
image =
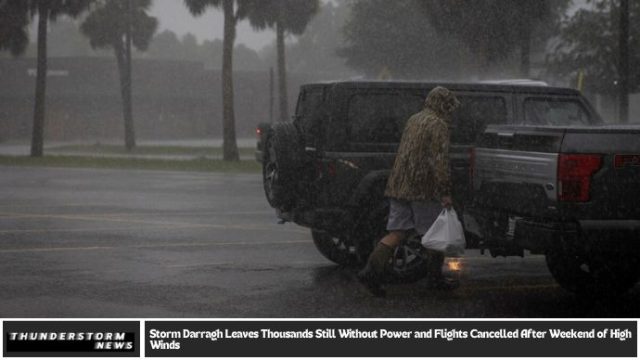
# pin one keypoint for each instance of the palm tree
(15, 16)
(118, 24)
(284, 16)
(234, 11)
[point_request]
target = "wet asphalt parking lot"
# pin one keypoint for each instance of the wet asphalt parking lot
(152, 244)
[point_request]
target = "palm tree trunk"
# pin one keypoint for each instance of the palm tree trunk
(125, 93)
(37, 139)
(282, 73)
(229, 145)
(129, 131)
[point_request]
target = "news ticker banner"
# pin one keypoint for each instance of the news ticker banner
(321, 338)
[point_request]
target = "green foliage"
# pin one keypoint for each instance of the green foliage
(166, 45)
(15, 16)
(198, 7)
(588, 42)
(57, 8)
(14, 19)
(396, 36)
(493, 29)
(106, 25)
(292, 15)
(450, 39)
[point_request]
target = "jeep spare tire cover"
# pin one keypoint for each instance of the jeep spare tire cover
(282, 164)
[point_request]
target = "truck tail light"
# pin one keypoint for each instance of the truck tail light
(620, 161)
(574, 176)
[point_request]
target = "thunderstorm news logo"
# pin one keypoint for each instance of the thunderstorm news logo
(92, 341)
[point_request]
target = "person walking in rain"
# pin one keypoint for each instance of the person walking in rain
(418, 188)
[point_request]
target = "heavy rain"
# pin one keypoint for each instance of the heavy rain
(235, 159)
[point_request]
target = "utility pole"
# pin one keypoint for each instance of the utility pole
(271, 94)
(623, 64)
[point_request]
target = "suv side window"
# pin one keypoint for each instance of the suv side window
(309, 114)
(473, 116)
(555, 111)
(380, 118)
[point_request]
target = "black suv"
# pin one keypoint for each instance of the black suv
(327, 169)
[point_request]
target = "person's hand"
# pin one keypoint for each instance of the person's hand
(446, 202)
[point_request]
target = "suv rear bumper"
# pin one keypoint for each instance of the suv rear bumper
(538, 235)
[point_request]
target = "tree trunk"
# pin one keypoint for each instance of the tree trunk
(126, 85)
(37, 139)
(125, 93)
(229, 146)
(282, 74)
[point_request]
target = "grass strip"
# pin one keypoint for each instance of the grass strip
(199, 164)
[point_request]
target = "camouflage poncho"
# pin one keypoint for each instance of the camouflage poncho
(421, 168)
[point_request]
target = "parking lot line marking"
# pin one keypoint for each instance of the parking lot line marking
(500, 261)
(147, 222)
(156, 213)
(13, 206)
(178, 212)
(21, 216)
(150, 246)
(507, 287)
(29, 231)
(300, 264)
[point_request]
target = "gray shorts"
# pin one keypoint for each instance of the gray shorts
(407, 215)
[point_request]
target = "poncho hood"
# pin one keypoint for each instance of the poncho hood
(441, 101)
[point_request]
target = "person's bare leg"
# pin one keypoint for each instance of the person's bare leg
(394, 238)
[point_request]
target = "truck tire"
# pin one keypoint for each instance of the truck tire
(337, 249)
(282, 160)
(602, 274)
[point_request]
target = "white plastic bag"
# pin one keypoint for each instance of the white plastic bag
(446, 234)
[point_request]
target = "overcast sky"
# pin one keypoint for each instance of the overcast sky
(173, 15)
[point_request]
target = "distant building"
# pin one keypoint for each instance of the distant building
(171, 99)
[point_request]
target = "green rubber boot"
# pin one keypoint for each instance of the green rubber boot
(372, 274)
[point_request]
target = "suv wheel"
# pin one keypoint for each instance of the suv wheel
(337, 249)
(407, 264)
(282, 161)
(601, 273)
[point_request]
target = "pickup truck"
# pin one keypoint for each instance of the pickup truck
(568, 192)
(327, 169)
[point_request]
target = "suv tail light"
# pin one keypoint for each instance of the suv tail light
(258, 133)
(574, 176)
(326, 169)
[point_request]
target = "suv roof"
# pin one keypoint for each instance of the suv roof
(490, 87)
